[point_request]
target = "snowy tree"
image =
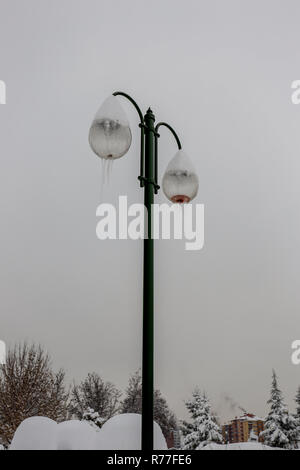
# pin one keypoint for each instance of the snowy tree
(280, 428)
(29, 387)
(93, 393)
(132, 403)
(297, 414)
(93, 418)
(204, 429)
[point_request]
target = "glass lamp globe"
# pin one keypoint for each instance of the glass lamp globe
(180, 182)
(110, 135)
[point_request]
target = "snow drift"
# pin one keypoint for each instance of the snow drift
(75, 435)
(239, 446)
(35, 434)
(122, 432)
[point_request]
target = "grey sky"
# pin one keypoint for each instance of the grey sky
(220, 72)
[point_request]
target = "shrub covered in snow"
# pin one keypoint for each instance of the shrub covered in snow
(93, 418)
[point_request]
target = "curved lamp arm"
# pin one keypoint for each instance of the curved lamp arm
(160, 124)
(142, 126)
(120, 93)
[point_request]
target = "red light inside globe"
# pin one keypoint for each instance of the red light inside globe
(180, 199)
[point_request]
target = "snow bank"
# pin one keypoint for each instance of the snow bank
(35, 434)
(75, 435)
(123, 432)
(238, 446)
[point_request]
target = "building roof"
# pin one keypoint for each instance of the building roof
(246, 417)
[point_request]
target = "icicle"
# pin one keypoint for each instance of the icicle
(106, 172)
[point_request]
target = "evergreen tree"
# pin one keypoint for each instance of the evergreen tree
(297, 400)
(280, 427)
(204, 429)
(297, 414)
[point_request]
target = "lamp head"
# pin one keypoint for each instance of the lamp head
(180, 182)
(110, 135)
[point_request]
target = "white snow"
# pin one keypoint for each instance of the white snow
(238, 446)
(249, 418)
(122, 432)
(75, 435)
(35, 434)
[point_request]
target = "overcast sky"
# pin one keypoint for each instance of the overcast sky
(220, 72)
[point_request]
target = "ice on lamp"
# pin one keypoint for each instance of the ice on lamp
(110, 135)
(180, 182)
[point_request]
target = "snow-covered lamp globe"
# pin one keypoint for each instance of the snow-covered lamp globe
(110, 135)
(180, 182)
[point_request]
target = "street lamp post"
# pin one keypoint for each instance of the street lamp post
(148, 297)
(110, 138)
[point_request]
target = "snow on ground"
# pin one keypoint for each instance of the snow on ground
(75, 435)
(239, 446)
(122, 432)
(35, 434)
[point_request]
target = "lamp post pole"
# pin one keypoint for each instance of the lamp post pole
(148, 297)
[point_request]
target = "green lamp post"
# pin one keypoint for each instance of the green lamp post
(110, 138)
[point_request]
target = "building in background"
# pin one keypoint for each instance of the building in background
(174, 440)
(242, 429)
